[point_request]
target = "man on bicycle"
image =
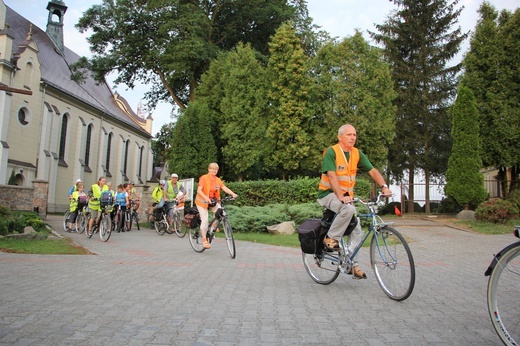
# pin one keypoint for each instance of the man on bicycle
(173, 190)
(340, 164)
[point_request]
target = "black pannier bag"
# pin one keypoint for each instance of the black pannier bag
(192, 218)
(311, 234)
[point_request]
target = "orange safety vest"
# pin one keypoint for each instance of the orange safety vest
(206, 188)
(345, 171)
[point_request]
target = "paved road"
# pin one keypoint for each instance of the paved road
(143, 289)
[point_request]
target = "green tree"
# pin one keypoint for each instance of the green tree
(243, 109)
(192, 146)
(419, 40)
(161, 144)
(170, 43)
(491, 72)
(465, 183)
(353, 85)
(288, 130)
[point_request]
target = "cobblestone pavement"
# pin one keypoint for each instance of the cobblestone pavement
(140, 288)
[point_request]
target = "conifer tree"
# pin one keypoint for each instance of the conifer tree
(287, 132)
(465, 183)
(419, 40)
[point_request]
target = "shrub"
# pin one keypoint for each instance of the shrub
(16, 221)
(496, 211)
(448, 206)
(514, 197)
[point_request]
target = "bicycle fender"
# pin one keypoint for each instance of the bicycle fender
(497, 257)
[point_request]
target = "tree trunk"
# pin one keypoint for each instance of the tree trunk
(427, 191)
(411, 190)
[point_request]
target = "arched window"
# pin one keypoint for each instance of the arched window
(63, 138)
(140, 160)
(125, 159)
(109, 148)
(87, 145)
(27, 79)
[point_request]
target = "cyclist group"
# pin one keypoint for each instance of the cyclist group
(125, 195)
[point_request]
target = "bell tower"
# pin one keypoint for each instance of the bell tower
(57, 9)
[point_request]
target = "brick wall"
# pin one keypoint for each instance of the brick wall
(26, 198)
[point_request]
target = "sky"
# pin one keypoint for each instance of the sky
(340, 18)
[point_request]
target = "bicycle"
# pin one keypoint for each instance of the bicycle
(161, 221)
(82, 219)
(131, 216)
(503, 292)
(119, 220)
(390, 257)
(102, 225)
(173, 217)
(220, 217)
(65, 218)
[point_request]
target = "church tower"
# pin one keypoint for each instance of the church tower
(57, 9)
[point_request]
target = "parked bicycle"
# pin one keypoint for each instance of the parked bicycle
(131, 216)
(102, 225)
(390, 256)
(503, 292)
(220, 218)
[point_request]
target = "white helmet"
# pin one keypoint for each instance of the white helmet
(162, 182)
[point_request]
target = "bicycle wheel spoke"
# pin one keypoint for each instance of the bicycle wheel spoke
(104, 228)
(179, 230)
(502, 295)
(392, 263)
(323, 267)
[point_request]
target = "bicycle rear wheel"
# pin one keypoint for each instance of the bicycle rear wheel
(392, 263)
(81, 223)
(322, 267)
(104, 228)
(177, 224)
(230, 240)
(135, 217)
(65, 218)
(196, 239)
(503, 296)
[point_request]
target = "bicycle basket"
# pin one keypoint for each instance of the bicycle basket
(106, 198)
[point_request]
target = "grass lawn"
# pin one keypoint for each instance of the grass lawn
(49, 246)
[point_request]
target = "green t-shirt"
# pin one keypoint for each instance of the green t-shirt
(329, 164)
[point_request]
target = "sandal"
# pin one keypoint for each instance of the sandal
(331, 244)
(206, 244)
(358, 273)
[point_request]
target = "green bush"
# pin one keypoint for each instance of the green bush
(496, 211)
(514, 197)
(292, 192)
(16, 221)
(448, 206)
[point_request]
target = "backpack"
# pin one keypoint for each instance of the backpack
(192, 218)
(311, 234)
(106, 198)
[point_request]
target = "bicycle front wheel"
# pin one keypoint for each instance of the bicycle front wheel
(177, 224)
(196, 239)
(65, 220)
(81, 223)
(104, 228)
(230, 240)
(503, 296)
(322, 267)
(392, 263)
(160, 226)
(135, 217)
(128, 222)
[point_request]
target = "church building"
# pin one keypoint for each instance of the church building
(55, 129)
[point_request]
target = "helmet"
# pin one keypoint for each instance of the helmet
(79, 181)
(174, 175)
(162, 182)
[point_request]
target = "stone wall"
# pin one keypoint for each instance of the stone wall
(26, 198)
